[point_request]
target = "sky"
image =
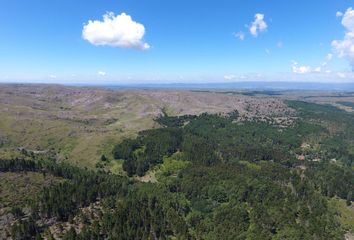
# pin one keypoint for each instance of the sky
(184, 41)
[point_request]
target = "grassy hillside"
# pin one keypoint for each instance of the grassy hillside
(186, 165)
(81, 124)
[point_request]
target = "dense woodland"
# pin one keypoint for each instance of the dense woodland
(229, 180)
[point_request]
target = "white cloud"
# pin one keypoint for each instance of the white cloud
(229, 77)
(115, 31)
(240, 35)
(301, 69)
(318, 69)
(258, 25)
(241, 76)
(52, 76)
(280, 44)
(339, 14)
(341, 75)
(267, 51)
(307, 69)
(101, 73)
(329, 57)
(345, 48)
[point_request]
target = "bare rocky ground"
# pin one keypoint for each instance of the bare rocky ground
(72, 103)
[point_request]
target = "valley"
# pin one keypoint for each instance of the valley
(87, 163)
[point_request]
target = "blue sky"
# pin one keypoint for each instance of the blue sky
(159, 41)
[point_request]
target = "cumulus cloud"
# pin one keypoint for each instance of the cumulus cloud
(258, 25)
(339, 14)
(345, 48)
(329, 57)
(115, 31)
(308, 69)
(255, 27)
(240, 35)
(341, 75)
(236, 77)
(102, 73)
(301, 69)
(318, 69)
(229, 77)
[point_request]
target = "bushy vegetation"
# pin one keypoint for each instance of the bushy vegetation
(148, 149)
(218, 178)
(212, 139)
(337, 142)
